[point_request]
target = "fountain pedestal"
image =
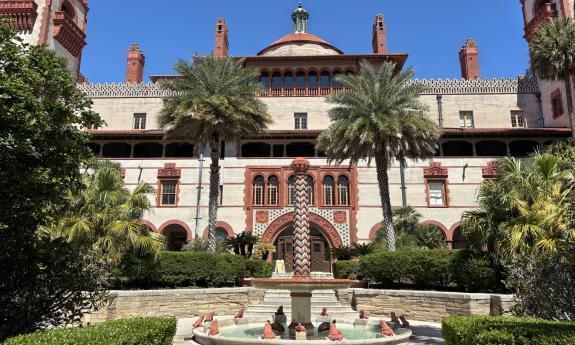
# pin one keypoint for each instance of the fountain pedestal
(301, 311)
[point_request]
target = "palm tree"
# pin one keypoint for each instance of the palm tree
(213, 100)
(106, 216)
(379, 118)
(552, 52)
(405, 219)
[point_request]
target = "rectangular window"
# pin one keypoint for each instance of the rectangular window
(436, 193)
(466, 119)
(517, 119)
(168, 193)
(291, 193)
(557, 103)
(139, 121)
(258, 194)
(300, 120)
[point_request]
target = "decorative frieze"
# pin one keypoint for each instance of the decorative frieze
(169, 171)
(340, 217)
(68, 34)
(490, 171)
(262, 217)
(21, 14)
(435, 170)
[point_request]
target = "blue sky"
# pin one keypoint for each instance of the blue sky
(431, 32)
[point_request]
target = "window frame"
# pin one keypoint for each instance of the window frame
(258, 189)
(139, 121)
(557, 107)
(300, 121)
(444, 192)
(466, 116)
(328, 190)
(343, 189)
(163, 193)
(515, 116)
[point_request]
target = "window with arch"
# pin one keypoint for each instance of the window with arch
(324, 80)
(273, 186)
(539, 4)
(258, 190)
(292, 189)
(276, 80)
(343, 190)
(265, 80)
(328, 190)
(335, 83)
(300, 80)
(68, 9)
(312, 81)
(288, 80)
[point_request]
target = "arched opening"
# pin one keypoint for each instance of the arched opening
(68, 8)
(335, 83)
(539, 4)
(300, 150)
(221, 234)
(117, 150)
(265, 80)
(148, 150)
(343, 190)
(258, 187)
(320, 250)
(328, 185)
(522, 148)
(95, 148)
(312, 81)
(276, 80)
(457, 148)
(176, 237)
(180, 150)
(273, 190)
(254, 150)
(459, 240)
(291, 190)
(300, 80)
(324, 80)
(491, 149)
(288, 80)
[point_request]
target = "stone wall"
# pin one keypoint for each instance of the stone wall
(428, 306)
(178, 303)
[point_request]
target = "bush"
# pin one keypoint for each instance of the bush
(136, 331)
(347, 269)
(469, 330)
(439, 269)
(258, 269)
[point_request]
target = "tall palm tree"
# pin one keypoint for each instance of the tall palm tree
(106, 216)
(406, 219)
(213, 100)
(552, 52)
(379, 118)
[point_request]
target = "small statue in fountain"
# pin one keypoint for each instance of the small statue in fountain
(300, 328)
(210, 317)
(240, 314)
(404, 322)
(394, 318)
(385, 329)
(215, 328)
(363, 315)
(324, 312)
(334, 333)
(278, 327)
(280, 311)
(324, 327)
(198, 322)
(268, 332)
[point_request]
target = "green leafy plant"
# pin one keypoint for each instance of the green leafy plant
(343, 253)
(364, 248)
(347, 269)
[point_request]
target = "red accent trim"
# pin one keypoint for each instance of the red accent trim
(547, 13)
(322, 225)
(44, 28)
(439, 225)
(150, 225)
(446, 197)
(490, 171)
(22, 12)
(163, 227)
(373, 231)
(557, 106)
(435, 171)
(68, 34)
(454, 227)
(222, 225)
(168, 173)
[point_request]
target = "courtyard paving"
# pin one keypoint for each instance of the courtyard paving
(424, 333)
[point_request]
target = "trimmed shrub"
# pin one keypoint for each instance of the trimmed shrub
(470, 330)
(431, 269)
(258, 269)
(136, 331)
(346, 269)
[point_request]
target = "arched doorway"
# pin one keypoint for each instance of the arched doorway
(320, 250)
(459, 240)
(176, 237)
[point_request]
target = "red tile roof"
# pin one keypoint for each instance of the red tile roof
(299, 38)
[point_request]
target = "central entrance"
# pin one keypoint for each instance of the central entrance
(320, 250)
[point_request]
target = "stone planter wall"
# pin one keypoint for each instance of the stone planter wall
(428, 306)
(179, 303)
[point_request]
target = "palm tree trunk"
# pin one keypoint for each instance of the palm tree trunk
(569, 96)
(214, 191)
(382, 163)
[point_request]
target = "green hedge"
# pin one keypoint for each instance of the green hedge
(258, 269)
(346, 269)
(460, 270)
(469, 330)
(136, 331)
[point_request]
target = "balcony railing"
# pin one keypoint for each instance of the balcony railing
(21, 14)
(68, 34)
(301, 92)
(545, 13)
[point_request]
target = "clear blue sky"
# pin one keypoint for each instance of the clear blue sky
(432, 32)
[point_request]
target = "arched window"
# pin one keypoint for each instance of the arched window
(258, 191)
(68, 9)
(324, 80)
(335, 83)
(221, 234)
(292, 188)
(312, 80)
(273, 190)
(343, 190)
(276, 80)
(288, 80)
(265, 80)
(328, 191)
(300, 80)
(539, 4)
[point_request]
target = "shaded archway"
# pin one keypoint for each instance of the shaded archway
(117, 150)
(522, 148)
(491, 148)
(148, 150)
(176, 237)
(254, 150)
(458, 239)
(457, 148)
(300, 149)
(221, 229)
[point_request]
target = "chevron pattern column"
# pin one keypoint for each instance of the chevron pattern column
(302, 244)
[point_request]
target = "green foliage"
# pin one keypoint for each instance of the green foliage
(42, 149)
(431, 269)
(243, 243)
(470, 330)
(136, 331)
(552, 49)
(347, 269)
(343, 253)
(199, 245)
(364, 248)
(258, 269)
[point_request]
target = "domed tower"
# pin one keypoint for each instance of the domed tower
(58, 24)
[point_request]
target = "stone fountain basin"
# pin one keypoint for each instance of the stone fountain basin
(303, 285)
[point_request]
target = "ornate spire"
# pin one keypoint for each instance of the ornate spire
(299, 18)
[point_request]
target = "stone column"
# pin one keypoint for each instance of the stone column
(302, 245)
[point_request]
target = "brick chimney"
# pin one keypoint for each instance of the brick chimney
(222, 44)
(379, 36)
(136, 62)
(469, 59)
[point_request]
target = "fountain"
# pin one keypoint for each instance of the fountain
(301, 286)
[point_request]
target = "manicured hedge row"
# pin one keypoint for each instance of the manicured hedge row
(346, 269)
(469, 330)
(136, 331)
(432, 269)
(258, 269)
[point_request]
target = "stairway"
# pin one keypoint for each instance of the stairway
(320, 299)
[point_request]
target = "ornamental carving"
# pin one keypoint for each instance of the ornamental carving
(300, 165)
(319, 223)
(21, 14)
(491, 170)
(435, 170)
(169, 171)
(262, 217)
(68, 34)
(340, 217)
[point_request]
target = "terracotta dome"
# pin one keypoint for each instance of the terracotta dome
(300, 44)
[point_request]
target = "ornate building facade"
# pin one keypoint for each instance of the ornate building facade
(481, 120)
